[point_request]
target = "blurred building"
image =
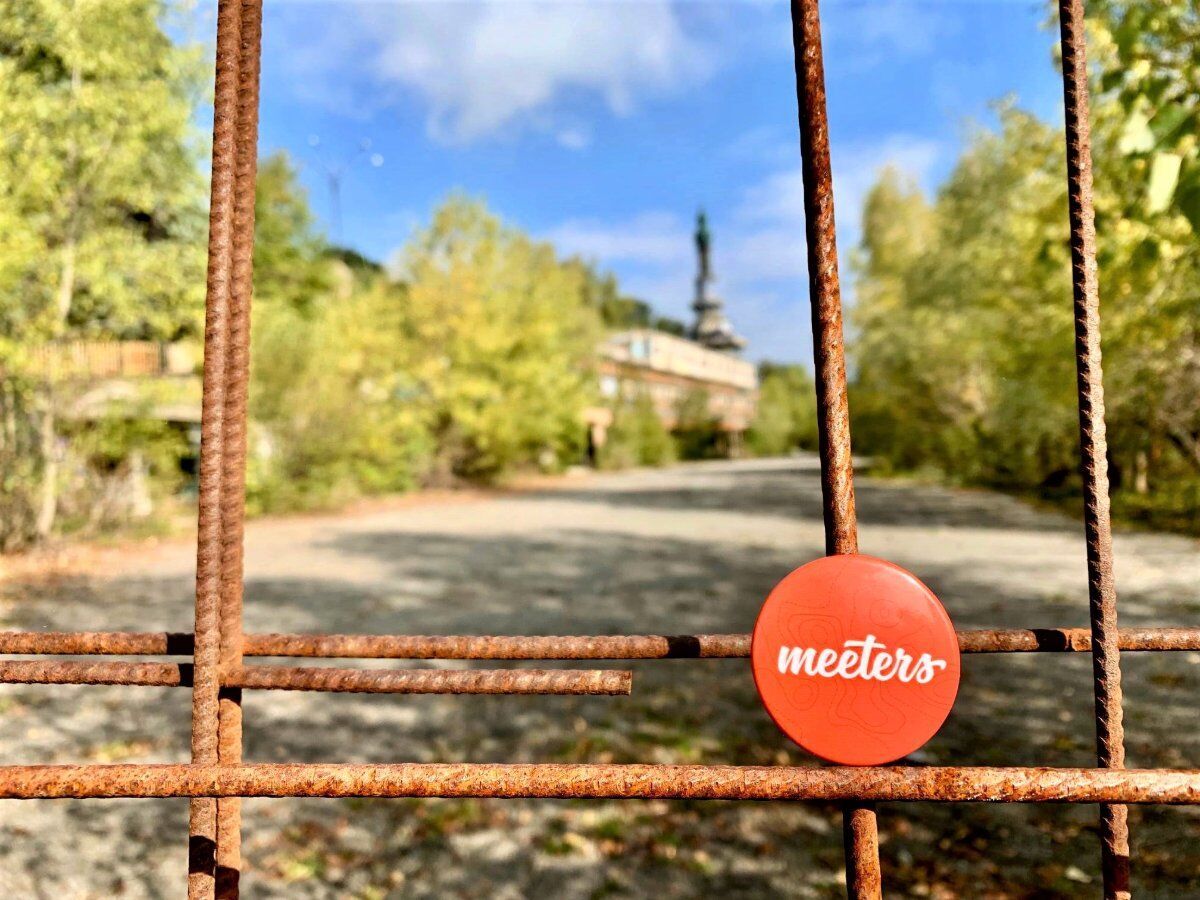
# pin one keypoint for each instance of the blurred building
(133, 379)
(93, 382)
(126, 379)
(672, 370)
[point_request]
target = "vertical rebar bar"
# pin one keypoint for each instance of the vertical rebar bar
(859, 825)
(833, 413)
(233, 481)
(207, 655)
(1102, 591)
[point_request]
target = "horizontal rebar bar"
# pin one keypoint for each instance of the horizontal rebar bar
(611, 647)
(373, 681)
(364, 646)
(97, 643)
(1074, 640)
(142, 674)
(559, 781)
(432, 681)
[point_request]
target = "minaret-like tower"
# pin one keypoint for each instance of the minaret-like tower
(712, 328)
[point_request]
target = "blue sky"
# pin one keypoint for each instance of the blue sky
(603, 125)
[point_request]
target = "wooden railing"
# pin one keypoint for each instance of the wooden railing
(102, 360)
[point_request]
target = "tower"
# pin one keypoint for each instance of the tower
(711, 328)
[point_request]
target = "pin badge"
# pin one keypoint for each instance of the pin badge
(855, 659)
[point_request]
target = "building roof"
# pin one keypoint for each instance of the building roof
(672, 355)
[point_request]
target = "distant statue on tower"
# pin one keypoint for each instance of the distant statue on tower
(711, 328)
(703, 239)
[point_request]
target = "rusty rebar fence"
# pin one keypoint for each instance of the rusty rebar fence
(217, 778)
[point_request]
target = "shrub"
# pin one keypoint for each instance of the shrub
(637, 436)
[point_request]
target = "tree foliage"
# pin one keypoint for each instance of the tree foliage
(472, 358)
(473, 361)
(697, 430)
(787, 411)
(101, 213)
(963, 334)
(290, 265)
(617, 310)
(99, 188)
(1150, 93)
(637, 436)
(332, 402)
(964, 321)
(1150, 71)
(502, 342)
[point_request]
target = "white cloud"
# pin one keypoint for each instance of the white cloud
(764, 145)
(487, 67)
(763, 238)
(574, 137)
(659, 239)
(882, 31)
(780, 196)
(857, 172)
(901, 26)
(759, 247)
(652, 251)
(768, 239)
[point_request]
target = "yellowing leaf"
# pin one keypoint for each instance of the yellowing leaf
(1164, 175)
(1136, 136)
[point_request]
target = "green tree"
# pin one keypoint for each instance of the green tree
(502, 342)
(697, 431)
(1150, 72)
(101, 205)
(964, 351)
(474, 360)
(637, 436)
(787, 411)
(617, 310)
(332, 398)
(1149, 107)
(291, 258)
(334, 406)
(962, 341)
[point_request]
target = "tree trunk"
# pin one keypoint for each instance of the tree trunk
(1141, 473)
(66, 282)
(48, 431)
(1187, 444)
(48, 447)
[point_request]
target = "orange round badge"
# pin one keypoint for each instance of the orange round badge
(855, 659)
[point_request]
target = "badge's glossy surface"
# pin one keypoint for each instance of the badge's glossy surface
(855, 659)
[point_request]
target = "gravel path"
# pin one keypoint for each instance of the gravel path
(689, 549)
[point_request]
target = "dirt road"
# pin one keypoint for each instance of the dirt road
(689, 549)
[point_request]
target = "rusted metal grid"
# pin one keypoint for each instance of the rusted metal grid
(216, 778)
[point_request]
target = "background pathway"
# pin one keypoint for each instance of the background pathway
(690, 549)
